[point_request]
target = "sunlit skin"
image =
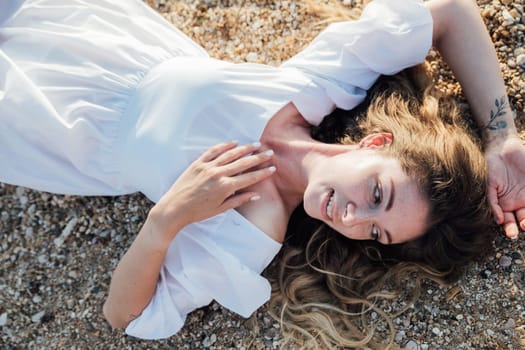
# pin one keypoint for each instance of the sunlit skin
(373, 198)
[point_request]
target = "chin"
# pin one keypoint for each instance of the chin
(309, 210)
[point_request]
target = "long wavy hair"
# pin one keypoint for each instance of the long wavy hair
(326, 287)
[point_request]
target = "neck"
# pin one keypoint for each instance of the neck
(296, 154)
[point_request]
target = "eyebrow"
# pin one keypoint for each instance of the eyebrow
(392, 195)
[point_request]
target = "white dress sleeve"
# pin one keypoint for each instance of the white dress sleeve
(217, 259)
(346, 58)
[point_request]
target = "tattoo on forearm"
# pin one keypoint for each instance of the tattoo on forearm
(495, 124)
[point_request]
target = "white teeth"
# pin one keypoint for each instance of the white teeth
(330, 205)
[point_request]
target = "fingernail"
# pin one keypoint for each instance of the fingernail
(255, 198)
(256, 144)
(269, 152)
(272, 169)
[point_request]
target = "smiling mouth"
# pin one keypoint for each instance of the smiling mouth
(330, 205)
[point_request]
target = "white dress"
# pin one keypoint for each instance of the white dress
(105, 97)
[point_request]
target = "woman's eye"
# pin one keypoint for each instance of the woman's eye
(375, 233)
(378, 194)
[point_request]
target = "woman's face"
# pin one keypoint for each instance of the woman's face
(365, 194)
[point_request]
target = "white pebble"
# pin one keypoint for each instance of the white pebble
(3, 319)
(507, 17)
(520, 60)
(436, 331)
(65, 232)
(29, 232)
(411, 345)
(257, 25)
(38, 316)
(251, 57)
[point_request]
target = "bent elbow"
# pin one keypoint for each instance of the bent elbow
(113, 318)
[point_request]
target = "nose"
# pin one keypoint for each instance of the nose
(353, 216)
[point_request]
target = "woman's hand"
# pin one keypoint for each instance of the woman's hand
(212, 184)
(506, 187)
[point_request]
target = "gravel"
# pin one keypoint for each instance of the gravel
(57, 252)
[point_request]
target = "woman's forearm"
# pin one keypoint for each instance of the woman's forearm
(134, 280)
(462, 39)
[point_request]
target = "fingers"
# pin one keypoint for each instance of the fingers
(246, 163)
(239, 199)
(236, 153)
(496, 209)
(509, 225)
(520, 215)
(247, 179)
(217, 150)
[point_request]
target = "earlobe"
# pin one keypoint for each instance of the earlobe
(376, 140)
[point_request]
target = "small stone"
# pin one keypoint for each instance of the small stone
(436, 331)
(36, 318)
(459, 317)
(505, 261)
(485, 274)
(424, 346)
(510, 324)
(490, 333)
(515, 14)
(37, 299)
(511, 63)
(29, 232)
(65, 232)
(507, 17)
(42, 259)
(3, 319)
(515, 255)
(399, 336)
(206, 342)
(251, 57)
(411, 345)
(520, 60)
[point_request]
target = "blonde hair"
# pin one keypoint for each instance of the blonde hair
(326, 287)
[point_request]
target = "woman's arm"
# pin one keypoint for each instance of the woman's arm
(462, 39)
(211, 185)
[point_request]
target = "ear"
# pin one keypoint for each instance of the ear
(376, 140)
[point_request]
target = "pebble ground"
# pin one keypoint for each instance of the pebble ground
(57, 252)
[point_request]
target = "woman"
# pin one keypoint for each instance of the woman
(152, 101)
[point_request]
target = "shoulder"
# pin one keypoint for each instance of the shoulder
(267, 214)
